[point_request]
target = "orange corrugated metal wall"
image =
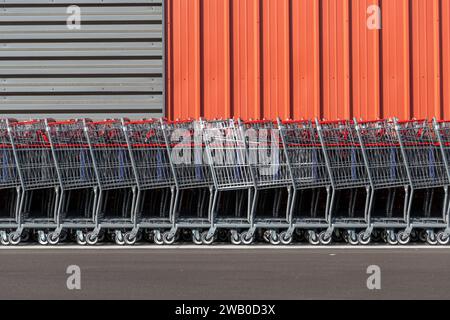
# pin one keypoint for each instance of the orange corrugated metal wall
(307, 58)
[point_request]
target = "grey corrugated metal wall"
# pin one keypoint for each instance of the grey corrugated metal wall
(113, 66)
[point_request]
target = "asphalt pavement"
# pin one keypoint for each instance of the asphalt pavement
(223, 273)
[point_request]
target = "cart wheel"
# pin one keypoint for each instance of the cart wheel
(313, 238)
(91, 239)
(158, 239)
(285, 239)
(414, 236)
(236, 238)
(63, 236)
(25, 236)
(196, 237)
(246, 239)
(443, 238)
(432, 239)
(207, 241)
(353, 238)
(4, 238)
(52, 238)
(274, 238)
(363, 240)
(403, 238)
(169, 238)
(391, 238)
(324, 239)
(130, 240)
(376, 236)
(81, 238)
(423, 236)
(267, 236)
(119, 238)
(14, 238)
(42, 238)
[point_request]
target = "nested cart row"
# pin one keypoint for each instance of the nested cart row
(242, 181)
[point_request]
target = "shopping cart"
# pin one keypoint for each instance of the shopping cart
(234, 185)
(442, 131)
(350, 195)
(10, 189)
(428, 179)
(78, 181)
(388, 179)
(154, 177)
(117, 182)
(311, 182)
(273, 180)
(193, 181)
(40, 194)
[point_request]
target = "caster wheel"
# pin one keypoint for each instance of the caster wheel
(443, 238)
(392, 239)
(266, 236)
(363, 240)
(432, 239)
(42, 238)
(119, 238)
(158, 239)
(130, 240)
(197, 238)
(81, 238)
(236, 238)
(285, 239)
(423, 236)
(52, 238)
(14, 238)
(324, 239)
(91, 239)
(4, 239)
(222, 236)
(414, 236)
(274, 238)
(313, 238)
(376, 236)
(403, 238)
(353, 239)
(169, 238)
(246, 239)
(207, 241)
(25, 237)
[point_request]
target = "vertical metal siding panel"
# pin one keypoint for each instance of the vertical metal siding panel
(276, 58)
(445, 54)
(426, 59)
(246, 59)
(396, 60)
(336, 59)
(186, 58)
(365, 63)
(216, 55)
(305, 59)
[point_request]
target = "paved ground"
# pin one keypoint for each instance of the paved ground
(225, 273)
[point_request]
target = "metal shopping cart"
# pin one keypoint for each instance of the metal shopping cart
(428, 179)
(154, 177)
(388, 179)
(117, 182)
(10, 189)
(78, 181)
(442, 131)
(40, 195)
(234, 185)
(350, 195)
(273, 180)
(193, 182)
(311, 182)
